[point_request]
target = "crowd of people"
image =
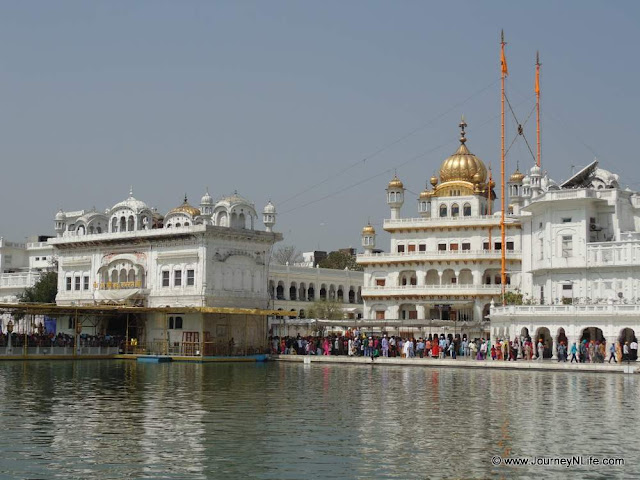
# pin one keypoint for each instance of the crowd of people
(60, 340)
(357, 343)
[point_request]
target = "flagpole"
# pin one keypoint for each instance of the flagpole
(503, 259)
(537, 87)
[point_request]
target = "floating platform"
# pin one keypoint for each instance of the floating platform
(154, 359)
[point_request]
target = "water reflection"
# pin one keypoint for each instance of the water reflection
(111, 419)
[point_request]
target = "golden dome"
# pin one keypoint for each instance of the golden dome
(368, 230)
(395, 183)
(433, 180)
(425, 194)
(516, 176)
(463, 165)
(186, 208)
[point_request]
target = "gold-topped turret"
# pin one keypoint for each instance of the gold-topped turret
(186, 208)
(395, 182)
(516, 176)
(368, 230)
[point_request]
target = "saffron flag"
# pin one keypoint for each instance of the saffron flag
(503, 62)
(536, 89)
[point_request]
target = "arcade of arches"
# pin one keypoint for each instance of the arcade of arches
(552, 335)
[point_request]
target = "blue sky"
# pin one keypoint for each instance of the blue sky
(272, 98)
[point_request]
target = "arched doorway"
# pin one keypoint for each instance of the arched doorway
(592, 334)
(543, 334)
(628, 335)
(524, 333)
(562, 338)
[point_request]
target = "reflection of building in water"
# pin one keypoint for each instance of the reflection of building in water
(173, 420)
(443, 268)
(580, 260)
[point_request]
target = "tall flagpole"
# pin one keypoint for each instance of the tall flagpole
(537, 89)
(503, 263)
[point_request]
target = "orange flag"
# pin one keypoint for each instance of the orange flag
(503, 62)
(536, 88)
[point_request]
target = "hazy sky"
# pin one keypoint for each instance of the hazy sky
(273, 97)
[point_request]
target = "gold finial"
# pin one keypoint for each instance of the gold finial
(462, 126)
(185, 198)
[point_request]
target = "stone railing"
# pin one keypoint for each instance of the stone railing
(447, 221)
(19, 280)
(117, 285)
(558, 310)
(438, 255)
(454, 289)
(613, 253)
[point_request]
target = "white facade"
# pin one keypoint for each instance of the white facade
(21, 265)
(296, 288)
(580, 260)
(205, 257)
(443, 267)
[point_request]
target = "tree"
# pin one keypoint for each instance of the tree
(326, 310)
(44, 290)
(339, 261)
(513, 298)
(287, 254)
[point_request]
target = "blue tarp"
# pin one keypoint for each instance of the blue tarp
(49, 325)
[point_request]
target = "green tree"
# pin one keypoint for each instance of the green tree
(339, 261)
(326, 310)
(44, 290)
(513, 298)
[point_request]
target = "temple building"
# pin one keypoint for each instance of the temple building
(211, 256)
(580, 260)
(442, 270)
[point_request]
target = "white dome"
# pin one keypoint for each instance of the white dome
(131, 203)
(269, 208)
(536, 170)
(61, 215)
(235, 199)
(526, 181)
(206, 199)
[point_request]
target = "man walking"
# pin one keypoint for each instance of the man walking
(612, 353)
(574, 351)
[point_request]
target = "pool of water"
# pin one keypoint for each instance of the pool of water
(109, 419)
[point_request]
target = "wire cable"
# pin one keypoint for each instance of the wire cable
(388, 145)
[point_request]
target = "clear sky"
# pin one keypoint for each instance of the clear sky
(274, 97)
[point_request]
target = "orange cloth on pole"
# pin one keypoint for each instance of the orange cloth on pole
(536, 88)
(503, 62)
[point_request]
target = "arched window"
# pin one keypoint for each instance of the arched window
(466, 210)
(99, 229)
(123, 224)
(443, 210)
(130, 224)
(455, 210)
(114, 224)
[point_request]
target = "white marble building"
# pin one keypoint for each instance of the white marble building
(443, 268)
(297, 287)
(580, 260)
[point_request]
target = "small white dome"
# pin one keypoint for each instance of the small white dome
(206, 199)
(536, 170)
(526, 181)
(132, 203)
(269, 208)
(61, 215)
